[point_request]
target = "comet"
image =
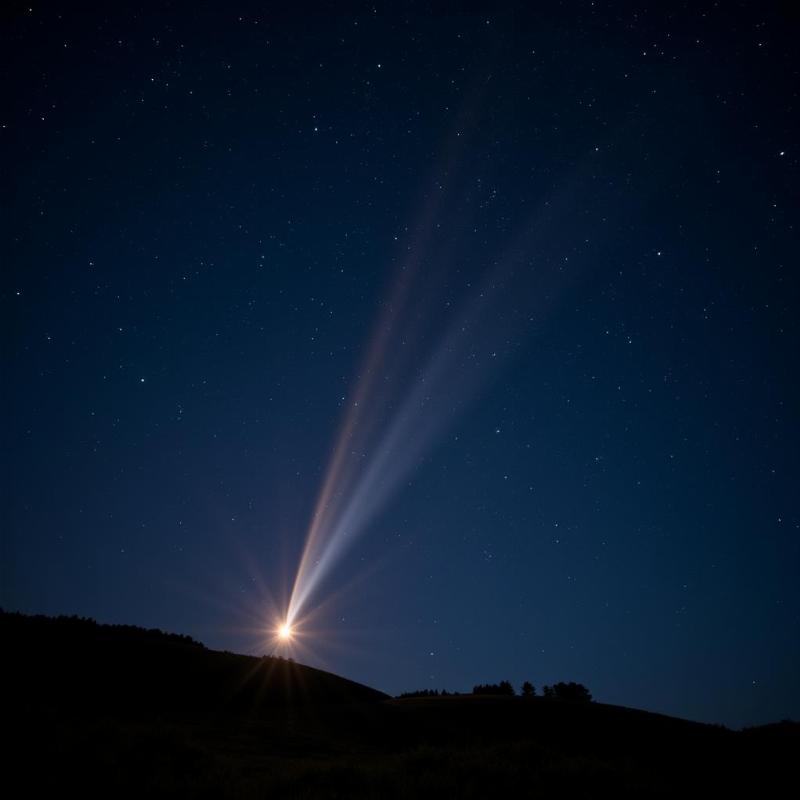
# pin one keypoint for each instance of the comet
(436, 344)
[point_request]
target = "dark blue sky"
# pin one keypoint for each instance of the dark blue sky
(585, 216)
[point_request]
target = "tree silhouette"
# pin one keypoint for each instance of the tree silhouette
(573, 692)
(528, 689)
(503, 688)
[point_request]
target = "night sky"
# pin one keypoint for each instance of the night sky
(519, 285)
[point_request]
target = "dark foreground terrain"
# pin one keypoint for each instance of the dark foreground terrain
(123, 712)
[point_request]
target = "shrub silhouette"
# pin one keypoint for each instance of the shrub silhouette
(528, 689)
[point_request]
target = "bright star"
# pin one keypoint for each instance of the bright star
(285, 632)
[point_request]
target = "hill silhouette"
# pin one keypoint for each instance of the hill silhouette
(69, 662)
(128, 712)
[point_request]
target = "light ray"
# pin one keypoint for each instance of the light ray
(386, 434)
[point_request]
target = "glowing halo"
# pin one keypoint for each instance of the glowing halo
(285, 632)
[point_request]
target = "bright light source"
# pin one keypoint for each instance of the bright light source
(285, 632)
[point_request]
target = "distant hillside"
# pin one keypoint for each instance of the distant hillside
(69, 662)
(94, 709)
